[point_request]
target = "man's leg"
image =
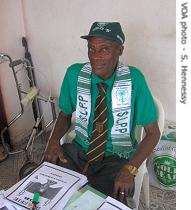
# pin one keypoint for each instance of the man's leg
(101, 175)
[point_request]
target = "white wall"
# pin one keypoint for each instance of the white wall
(11, 31)
(53, 29)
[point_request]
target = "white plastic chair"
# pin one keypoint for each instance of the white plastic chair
(142, 178)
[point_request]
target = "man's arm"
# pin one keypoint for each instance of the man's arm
(125, 180)
(147, 145)
(53, 152)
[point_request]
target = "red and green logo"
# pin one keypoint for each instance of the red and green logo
(165, 170)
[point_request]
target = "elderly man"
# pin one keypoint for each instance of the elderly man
(109, 99)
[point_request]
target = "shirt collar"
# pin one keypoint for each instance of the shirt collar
(96, 79)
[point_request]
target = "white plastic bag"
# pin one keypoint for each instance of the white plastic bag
(162, 162)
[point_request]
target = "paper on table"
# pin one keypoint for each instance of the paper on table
(88, 200)
(62, 184)
(112, 204)
(6, 205)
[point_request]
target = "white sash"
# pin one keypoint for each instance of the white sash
(121, 107)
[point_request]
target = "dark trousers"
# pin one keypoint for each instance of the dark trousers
(100, 174)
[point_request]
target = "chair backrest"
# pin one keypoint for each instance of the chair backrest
(161, 114)
(139, 131)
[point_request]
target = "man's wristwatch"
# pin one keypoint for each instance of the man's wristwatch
(132, 169)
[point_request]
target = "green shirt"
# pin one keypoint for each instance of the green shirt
(143, 111)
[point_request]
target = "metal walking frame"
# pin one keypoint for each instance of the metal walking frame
(36, 132)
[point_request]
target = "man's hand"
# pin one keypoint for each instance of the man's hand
(54, 153)
(124, 184)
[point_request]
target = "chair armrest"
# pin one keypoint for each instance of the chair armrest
(69, 135)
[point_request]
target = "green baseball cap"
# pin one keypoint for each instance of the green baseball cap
(107, 30)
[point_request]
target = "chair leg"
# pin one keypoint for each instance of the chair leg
(138, 185)
(146, 189)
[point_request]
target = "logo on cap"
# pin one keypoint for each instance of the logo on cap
(101, 26)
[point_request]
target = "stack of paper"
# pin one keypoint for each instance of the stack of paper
(55, 184)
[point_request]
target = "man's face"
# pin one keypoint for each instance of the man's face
(103, 55)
